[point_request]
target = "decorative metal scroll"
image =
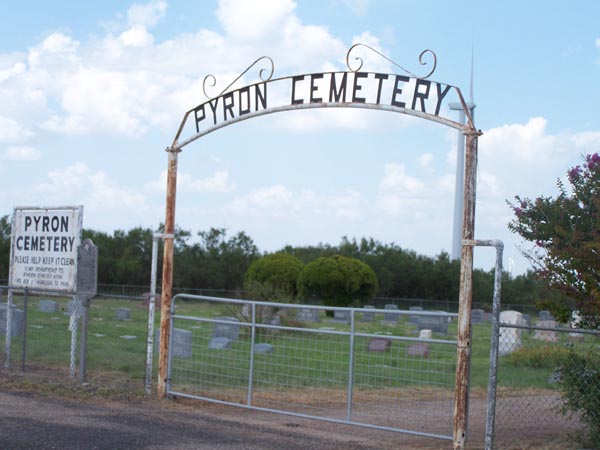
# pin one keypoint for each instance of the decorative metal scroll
(406, 93)
(421, 60)
(212, 81)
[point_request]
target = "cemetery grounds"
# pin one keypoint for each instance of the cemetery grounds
(411, 390)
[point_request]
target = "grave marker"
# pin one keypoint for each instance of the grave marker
(227, 330)
(48, 306)
(418, 349)
(379, 345)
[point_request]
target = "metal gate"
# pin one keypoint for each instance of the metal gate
(360, 366)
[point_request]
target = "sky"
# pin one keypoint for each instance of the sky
(91, 94)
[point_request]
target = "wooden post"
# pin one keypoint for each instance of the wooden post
(167, 272)
(461, 393)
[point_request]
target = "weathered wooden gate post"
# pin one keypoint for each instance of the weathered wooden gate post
(167, 272)
(461, 393)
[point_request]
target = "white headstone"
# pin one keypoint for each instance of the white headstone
(510, 338)
(425, 334)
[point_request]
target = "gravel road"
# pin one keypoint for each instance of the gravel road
(33, 421)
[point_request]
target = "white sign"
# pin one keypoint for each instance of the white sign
(44, 247)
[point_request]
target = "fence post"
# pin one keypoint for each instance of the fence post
(167, 272)
(461, 392)
(7, 341)
(24, 350)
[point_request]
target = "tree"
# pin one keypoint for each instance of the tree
(338, 281)
(565, 237)
(273, 277)
(5, 234)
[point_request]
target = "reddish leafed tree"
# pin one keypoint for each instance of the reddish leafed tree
(564, 233)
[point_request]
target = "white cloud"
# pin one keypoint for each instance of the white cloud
(146, 15)
(425, 161)
(16, 69)
(279, 201)
(78, 184)
(12, 131)
(399, 192)
(137, 36)
(217, 183)
(357, 7)
(22, 153)
(256, 19)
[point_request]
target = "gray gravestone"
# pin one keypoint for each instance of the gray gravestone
(391, 318)
(341, 316)
(545, 315)
(437, 324)
(18, 321)
(546, 335)
(477, 316)
(379, 345)
(87, 269)
(263, 348)
(219, 343)
(368, 316)
(123, 314)
(71, 306)
(308, 315)
(48, 306)
(418, 349)
(227, 330)
(414, 319)
(181, 341)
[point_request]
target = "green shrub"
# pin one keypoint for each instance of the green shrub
(580, 386)
(338, 281)
(273, 278)
(538, 357)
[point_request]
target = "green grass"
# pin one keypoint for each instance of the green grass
(299, 359)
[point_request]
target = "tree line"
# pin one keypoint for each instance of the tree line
(215, 260)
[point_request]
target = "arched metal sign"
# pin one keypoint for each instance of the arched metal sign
(406, 93)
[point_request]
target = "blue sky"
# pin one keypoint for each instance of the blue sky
(92, 93)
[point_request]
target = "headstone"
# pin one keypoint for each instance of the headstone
(71, 306)
(368, 316)
(437, 324)
(48, 306)
(414, 319)
(181, 342)
(574, 323)
(477, 316)
(123, 314)
(545, 315)
(245, 311)
(526, 319)
(341, 316)
(379, 345)
(425, 334)
(418, 349)
(18, 321)
(263, 348)
(510, 338)
(546, 335)
(228, 330)
(388, 317)
(219, 343)
(308, 315)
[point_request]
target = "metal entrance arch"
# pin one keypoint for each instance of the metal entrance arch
(405, 94)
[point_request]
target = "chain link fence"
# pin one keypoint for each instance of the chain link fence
(42, 338)
(548, 386)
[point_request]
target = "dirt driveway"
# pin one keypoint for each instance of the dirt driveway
(32, 421)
